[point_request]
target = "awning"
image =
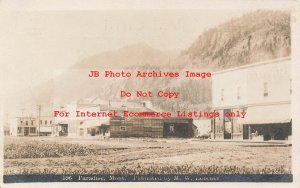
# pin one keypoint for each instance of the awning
(44, 129)
(94, 123)
(267, 114)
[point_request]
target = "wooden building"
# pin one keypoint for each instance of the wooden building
(31, 126)
(152, 127)
(119, 126)
(23, 126)
(45, 125)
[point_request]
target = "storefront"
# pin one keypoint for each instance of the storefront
(94, 128)
(268, 122)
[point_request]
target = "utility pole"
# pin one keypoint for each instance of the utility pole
(109, 105)
(39, 121)
(22, 110)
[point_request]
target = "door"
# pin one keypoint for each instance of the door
(93, 132)
(64, 130)
(26, 131)
(228, 130)
(227, 124)
(246, 132)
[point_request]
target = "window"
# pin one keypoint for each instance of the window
(32, 129)
(41, 122)
(31, 122)
(19, 129)
(45, 122)
(26, 122)
(266, 89)
(222, 94)
(123, 128)
(227, 113)
(50, 121)
(21, 122)
(238, 93)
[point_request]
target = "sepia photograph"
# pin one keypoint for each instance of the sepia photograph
(192, 92)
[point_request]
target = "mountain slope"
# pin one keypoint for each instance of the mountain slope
(257, 36)
(133, 55)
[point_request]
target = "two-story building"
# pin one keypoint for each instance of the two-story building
(31, 126)
(45, 126)
(23, 126)
(262, 91)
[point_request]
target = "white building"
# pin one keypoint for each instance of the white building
(203, 127)
(87, 127)
(262, 91)
(92, 127)
(67, 125)
(45, 125)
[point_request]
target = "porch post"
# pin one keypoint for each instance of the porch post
(213, 127)
(249, 132)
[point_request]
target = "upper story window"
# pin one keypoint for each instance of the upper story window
(45, 122)
(222, 94)
(21, 122)
(26, 122)
(41, 122)
(266, 89)
(50, 121)
(238, 93)
(31, 122)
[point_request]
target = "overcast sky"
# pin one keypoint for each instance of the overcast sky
(39, 39)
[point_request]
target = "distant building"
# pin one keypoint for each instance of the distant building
(46, 125)
(23, 126)
(99, 128)
(203, 128)
(262, 90)
(6, 131)
(29, 126)
(152, 127)
(91, 127)
(73, 126)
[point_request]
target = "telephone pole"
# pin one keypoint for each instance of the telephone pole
(39, 121)
(22, 110)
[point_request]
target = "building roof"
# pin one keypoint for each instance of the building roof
(252, 65)
(24, 117)
(117, 106)
(95, 122)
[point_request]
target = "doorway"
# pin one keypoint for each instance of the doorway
(26, 131)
